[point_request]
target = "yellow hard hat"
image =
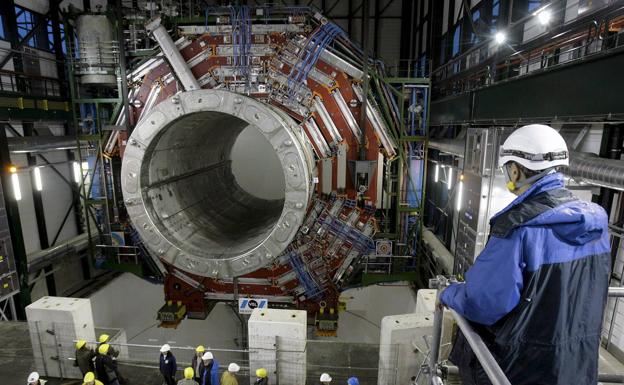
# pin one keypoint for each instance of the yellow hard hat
(261, 373)
(104, 338)
(103, 349)
(80, 344)
(188, 373)
(89, 377)
(200, 349)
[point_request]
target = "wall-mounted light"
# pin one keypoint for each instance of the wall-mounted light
(460, 193)
(436, 176)
(38, 182)
(449, 178)
(544, 17)
(17, 191)
(500, 38)
(77, 173)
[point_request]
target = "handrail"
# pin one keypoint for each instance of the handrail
(616, 291)
(483, 354)
(487, 361)
(481, 351)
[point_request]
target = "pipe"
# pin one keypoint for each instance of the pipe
(616, 291)
(438, 250)
(30, 144)
(173, 55)
(39, 258)
(586, 167)
(596, 170)
(611, 378)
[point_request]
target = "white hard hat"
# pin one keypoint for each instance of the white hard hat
(325, 377)
(207, 356)
(33, 377)
(536, 147)
(165, 348)
(233, 368)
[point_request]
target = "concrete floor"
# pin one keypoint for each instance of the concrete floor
(136, 315)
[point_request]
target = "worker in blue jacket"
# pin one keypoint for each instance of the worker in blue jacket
(209, 370)
(168, 366)
(536, 293)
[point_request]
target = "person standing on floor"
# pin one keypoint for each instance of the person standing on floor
(229, 377)
(210, 370)
(89, 379)
(262, 377)
(189, 374)
(105, 367)
(84, 357)
(196, 362)
(168, 366)
(35, 379)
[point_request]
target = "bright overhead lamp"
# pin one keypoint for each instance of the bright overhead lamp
(437, 173)
(17, 192)
(500, 38)
(77, 173)
(449, 180)
(544, 17)
(460, 195)
(38, 182)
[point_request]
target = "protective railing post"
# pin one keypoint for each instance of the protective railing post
(434, 351)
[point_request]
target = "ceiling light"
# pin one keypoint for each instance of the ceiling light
(17, 192)
(77, 173)
(38, 182)
(449, 181)
(544, 17)
(500, 38)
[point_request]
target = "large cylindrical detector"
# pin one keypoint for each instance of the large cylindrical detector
(217, 183)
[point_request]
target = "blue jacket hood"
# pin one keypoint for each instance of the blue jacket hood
(577, 222)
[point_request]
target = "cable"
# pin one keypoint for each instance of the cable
(363, 318)
(143, 331)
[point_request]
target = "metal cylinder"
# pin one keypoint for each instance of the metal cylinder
(98, 53)
(194, 193)
(596, 170)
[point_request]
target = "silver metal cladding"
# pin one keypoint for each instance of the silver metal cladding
(184, 199)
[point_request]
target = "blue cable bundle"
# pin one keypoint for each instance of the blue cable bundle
(319, 40)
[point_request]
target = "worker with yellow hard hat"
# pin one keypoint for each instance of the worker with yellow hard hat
(105, 367)
(105, 339)
(84, 357)
(197, 363)
(262, 377)
(189, 374)
(89, 379)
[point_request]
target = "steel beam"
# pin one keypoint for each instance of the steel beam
(15, 224)
(173, 56)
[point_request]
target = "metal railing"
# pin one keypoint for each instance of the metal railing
(32, 85)
(575, 40)
(481, 351)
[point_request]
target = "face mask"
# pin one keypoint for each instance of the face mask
(511, 186)
(514, 186)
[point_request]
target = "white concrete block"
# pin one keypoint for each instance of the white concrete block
(277, 341)
(405, 340)
(55, 323)
(425, 302)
